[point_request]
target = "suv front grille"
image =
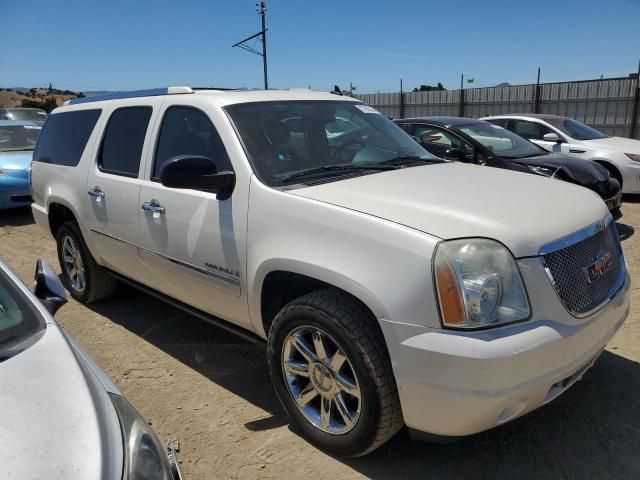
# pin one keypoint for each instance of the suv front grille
(587, 273)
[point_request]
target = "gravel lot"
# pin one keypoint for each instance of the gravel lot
(211, 391)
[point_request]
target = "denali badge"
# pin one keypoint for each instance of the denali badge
(601, 265)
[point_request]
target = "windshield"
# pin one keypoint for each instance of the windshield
(19, 321)
(501, 141)
(286, 137)
(575, 129)
(32, 115)
(18, 137)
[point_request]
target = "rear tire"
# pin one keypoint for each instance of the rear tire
(86, 281)
(359, 397)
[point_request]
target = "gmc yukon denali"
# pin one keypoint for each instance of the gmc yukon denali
(392, 287)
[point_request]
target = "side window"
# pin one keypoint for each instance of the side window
(64, 137)
(438, 141)
(529, 130)
(501, 122)
(123, 140)
(188, 131)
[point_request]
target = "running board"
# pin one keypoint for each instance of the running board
(221, 324)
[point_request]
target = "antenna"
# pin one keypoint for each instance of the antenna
(261, 9)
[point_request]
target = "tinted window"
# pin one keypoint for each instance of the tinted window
(65, 136)
(123, 141)
(438, 141)
(502, 122)
(576, 129)
(188, 131)
(530, 130)
(501, 141)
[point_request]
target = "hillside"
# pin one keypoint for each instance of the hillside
(10, 98)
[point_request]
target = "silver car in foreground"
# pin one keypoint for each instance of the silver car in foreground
(61, 417)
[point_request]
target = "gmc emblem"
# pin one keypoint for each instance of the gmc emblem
(598, 269)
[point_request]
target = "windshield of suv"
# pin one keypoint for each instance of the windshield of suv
(285, 139)
(501, 141)
(32, 115)
(18, 137)
(575, 129)
(19, 321)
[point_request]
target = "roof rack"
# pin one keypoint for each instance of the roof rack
(152, 92)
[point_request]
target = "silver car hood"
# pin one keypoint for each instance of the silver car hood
(453, 200)
(619, 144)
(56, 419)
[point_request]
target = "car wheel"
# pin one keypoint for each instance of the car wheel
(332, 373)
(81, 275)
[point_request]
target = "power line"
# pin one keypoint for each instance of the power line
(261, 9)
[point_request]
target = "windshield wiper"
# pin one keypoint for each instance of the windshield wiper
(15, 149)
(336, 168)
(403, 160)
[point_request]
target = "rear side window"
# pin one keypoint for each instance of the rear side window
(123, 140)
(188, 131)
(64, 137)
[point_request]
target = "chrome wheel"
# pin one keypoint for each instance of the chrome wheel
(72, 262)
(321, 380)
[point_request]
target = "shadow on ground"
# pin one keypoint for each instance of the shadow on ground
(592, 431)
(16, 217)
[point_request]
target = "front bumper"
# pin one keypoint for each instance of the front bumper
(454, 383)
(630, 172)
(14, 192)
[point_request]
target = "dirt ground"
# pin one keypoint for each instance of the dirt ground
(212, 392)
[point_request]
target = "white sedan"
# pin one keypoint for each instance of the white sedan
(621, 156)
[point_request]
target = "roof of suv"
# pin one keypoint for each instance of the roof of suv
(222, 96)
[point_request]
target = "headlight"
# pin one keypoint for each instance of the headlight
(145, 458)
(545, 171)
(633, 156)
(478, 284)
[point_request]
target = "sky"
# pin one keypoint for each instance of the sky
(135, 44)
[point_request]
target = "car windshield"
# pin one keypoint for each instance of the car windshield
(31, 115)
(18, 137)
(575, 129)
(501, 141)
(19, 320)
(284, 139)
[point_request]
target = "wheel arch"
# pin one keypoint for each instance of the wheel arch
(614, 171)
(59, 211)
(277, 283)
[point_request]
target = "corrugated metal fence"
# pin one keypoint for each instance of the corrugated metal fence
(606, 104)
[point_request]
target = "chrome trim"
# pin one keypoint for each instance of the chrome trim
(576, 237)
(219, 276)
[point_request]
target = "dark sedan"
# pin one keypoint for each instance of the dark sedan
(481, 142)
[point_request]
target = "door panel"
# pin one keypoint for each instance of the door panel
(113, 189)
(189, 245)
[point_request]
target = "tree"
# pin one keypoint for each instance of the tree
(46, 104)
(429, 88)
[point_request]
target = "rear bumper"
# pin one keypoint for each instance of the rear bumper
(14, 192)
(459, 383)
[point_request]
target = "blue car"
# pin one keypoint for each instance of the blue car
(17, 140)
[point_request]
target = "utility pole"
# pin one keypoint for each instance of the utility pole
(537, 95)
(261, 9)
(636, 100)
(461, 110)
(351, 89)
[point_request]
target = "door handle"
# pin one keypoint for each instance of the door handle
(153, 206)
(96, 192)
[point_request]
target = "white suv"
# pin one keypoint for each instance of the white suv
(391, 287)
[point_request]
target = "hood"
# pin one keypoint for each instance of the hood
(454, 200)
(53, 420)
(576, 170)
(618, 144)
(16, 160)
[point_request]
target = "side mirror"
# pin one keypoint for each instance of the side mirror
(455, 154)
(552, 137)
(197, 173)
(48, 288)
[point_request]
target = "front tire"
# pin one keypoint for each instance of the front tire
(332, 373)
(86, 281)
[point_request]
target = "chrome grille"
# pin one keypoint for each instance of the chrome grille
(578, 274)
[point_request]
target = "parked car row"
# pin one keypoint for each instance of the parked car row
(392, 286)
